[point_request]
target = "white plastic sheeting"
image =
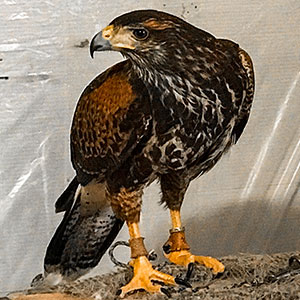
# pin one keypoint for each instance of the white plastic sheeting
(250, 202)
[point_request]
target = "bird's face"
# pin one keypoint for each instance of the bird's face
(149, 38)
(138, 32)
(120, 38)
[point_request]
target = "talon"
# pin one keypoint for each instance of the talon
(166, 248)
(119, 292)
(143, 276)
(183, 282)
(152, 255)
(189, 271)
(218, 275)
(166, 292)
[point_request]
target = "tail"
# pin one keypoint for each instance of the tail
(82, 238)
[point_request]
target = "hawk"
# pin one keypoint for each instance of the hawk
(168, 112)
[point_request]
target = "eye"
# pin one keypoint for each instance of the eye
(140, 33)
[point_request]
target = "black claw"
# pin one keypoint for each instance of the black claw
(183, 282)
(119, 292)
(166, 248)
(166, 292)
(218, 275)
(191, 267)
(152, 255)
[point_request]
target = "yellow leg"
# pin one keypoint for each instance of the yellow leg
(177, 250)
(176, 219)
(142, 268)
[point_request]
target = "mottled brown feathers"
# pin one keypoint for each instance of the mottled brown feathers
(97, 111)
(94, 116)
(108, 122)
(127, 204)
(115, 93)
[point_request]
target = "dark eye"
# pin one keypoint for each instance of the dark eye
(140, 33)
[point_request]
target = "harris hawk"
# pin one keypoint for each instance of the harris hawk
(168, 112)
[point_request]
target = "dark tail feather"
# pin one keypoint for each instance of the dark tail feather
(66, 199)
(79, 241)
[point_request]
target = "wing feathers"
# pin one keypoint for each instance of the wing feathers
(104, 133)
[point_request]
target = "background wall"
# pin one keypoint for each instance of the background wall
(250, 202)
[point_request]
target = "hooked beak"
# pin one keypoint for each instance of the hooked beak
(101, 41)
(98, 43)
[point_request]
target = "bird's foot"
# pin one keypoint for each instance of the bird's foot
(176, 250)
(143, 276)
(184, 258)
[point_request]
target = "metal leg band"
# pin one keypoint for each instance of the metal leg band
(177, 229)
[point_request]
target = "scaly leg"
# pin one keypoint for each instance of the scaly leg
(176, 249)
(143, 270)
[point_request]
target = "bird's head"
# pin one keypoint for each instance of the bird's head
(151, 39)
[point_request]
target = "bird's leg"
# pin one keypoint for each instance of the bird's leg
(142, 268)
(176, 249)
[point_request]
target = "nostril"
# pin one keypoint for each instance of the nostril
(107, 32)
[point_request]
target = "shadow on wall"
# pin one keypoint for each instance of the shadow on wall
(255, 227)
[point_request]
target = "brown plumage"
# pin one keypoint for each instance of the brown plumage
(168, 112)
(108, 123)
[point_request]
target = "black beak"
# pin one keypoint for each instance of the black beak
(99, 43)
